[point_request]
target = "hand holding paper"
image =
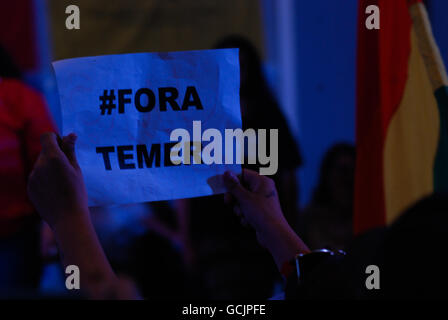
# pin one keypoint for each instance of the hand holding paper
(56, 186)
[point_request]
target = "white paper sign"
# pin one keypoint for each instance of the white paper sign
(123, 109)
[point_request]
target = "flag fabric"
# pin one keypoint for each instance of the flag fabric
(402, 114)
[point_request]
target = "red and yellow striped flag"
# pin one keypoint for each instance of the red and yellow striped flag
(402, 113)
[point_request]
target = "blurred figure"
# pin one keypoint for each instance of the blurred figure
(141, 241)
(23, 118)
(229, 262)
(260, 110)
(327, 221)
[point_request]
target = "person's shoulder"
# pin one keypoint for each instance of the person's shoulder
(20, 100)
(11, 83)
(17, 88)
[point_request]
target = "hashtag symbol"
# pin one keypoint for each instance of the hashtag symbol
(107, 102)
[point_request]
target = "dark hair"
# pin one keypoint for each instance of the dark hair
(322, 192)
(253, 64)
(262, 109)
(8, 69)
(255, 85)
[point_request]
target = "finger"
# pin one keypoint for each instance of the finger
(49, 143)
(228, 199)
(68, 143)
(234, 187)
(239, 213)
(251, 179)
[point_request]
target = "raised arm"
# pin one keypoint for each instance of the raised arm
(56, 188)
(255, 198)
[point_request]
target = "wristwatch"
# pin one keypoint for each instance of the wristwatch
(305, 263)
(299, 268)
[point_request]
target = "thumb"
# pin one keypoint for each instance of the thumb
(68, 143)
(49, 143)
(235, 188)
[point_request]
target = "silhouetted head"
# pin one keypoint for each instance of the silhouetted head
(259, 108)
(250, 61)
(336, 179)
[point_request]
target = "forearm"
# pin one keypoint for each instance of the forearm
(79, 245)
(283, 243)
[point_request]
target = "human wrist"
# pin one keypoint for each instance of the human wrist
(71, 221)
(273, 229)
(78, 245)
(283, 243)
